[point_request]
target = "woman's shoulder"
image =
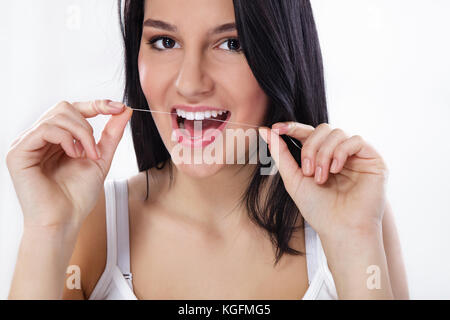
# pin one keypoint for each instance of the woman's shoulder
(90, 253)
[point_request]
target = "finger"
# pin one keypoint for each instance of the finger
(355, 145)
(79, 148)
(48, 133)
(93, 108)
(289, 170)
(310, 148)
(78, 131)
(87, 109)
(325, 154)
(50, 151)
(310, 137)
(72, 112)
(112, 134)
(294, 129)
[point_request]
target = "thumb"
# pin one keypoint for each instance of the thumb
(289, 170)
(111, 136)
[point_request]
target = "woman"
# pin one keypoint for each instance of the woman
(320, 228)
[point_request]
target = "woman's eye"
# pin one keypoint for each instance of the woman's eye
(162, 43)
(233, 45)
(167, 43)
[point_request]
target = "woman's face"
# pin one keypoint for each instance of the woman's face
(188, 66)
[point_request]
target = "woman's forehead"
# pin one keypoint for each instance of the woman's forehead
(188, 12)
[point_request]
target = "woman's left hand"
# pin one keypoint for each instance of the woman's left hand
(341, 184)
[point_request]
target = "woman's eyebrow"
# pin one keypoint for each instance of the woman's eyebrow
(170, 27)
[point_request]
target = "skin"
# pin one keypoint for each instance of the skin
(202, 245)
(55, 202)
(341, 193)
(190, 70)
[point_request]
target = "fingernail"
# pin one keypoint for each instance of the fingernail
(281, 127)
(307, 166)
(333, 166)
(99, 155)
(318, 176)
(263, 134)
(115, 106)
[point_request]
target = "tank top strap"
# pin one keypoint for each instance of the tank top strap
(111, 242)
(316, 262)
(312, 258)
(123, 233)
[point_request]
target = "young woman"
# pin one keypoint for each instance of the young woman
(320, 228)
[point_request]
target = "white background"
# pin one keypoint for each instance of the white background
(388, 79)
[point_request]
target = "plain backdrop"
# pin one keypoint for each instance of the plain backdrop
(387, 75)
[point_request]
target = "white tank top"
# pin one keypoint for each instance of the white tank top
(115, 283)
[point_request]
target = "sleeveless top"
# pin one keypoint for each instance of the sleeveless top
(115, 283)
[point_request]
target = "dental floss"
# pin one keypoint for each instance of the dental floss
(238, 123)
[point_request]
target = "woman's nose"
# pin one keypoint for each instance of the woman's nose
(193, 79)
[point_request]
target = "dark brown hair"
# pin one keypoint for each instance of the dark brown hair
(281, 45)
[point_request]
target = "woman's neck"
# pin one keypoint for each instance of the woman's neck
(214, 201)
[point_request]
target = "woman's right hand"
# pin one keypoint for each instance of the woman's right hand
(56, 180)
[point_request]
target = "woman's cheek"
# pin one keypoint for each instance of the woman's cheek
(145, 77)
(253, 101)
(152, 88)
(148, 74)
(253, 106)
(143, 73)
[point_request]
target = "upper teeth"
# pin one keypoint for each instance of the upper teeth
(199, 115)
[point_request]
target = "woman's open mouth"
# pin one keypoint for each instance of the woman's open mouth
(198, 126)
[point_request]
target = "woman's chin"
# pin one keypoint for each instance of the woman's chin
(200, 170)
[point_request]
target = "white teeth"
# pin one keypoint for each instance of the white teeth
(199, 115)
(190, 115)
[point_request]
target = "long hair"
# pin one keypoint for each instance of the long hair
(280, 42)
